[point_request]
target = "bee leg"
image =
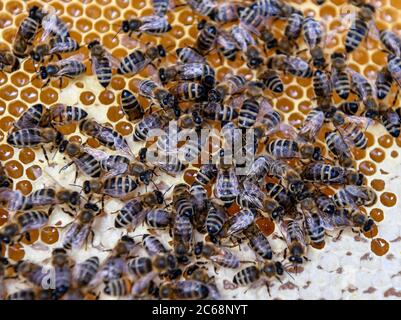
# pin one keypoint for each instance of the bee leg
(66, 166)
(339, 235)
(45, 154)
(396, 97)
(68, 212)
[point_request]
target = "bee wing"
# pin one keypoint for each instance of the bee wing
(142, 283)
(77, 57)
(80, 237)
(59, 46)
(96, 153)
(152, 22)
(297, 63)
(49, 23)
(265, 107)
(12, 198)
(355, 191)
(313, 125)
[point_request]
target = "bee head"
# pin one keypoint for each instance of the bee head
(254, 63)
(36, 13)
(162, 75)
(159, 197)
(35, 56)
(201, 25)
(63, 146)
(93, 43)
(86, 216)
(43, 72)
(143, 154)
(86, 187)
(295, 259)
(198, 249)
(125, 26)
(161, 51)
(368, 225)
(279, 268)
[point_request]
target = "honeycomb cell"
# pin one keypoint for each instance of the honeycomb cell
(14, 7)
(379, 246)
(386, 141)
(106, 97)
(102, 26)
(16, 108)
(32, 238)
(59, 8)
(5, 20)
(114, 114)
(388, 199)
(122, 3)
(110, 41)
(87, 98)
(6, 123)
(124, 128)
(24, 186)
(49, 235)
(75, 10)
(285, 105)
(3, 216)
(33, 172)
(14, 169)
(93, 143)
(67, 129)
(378, 184)
(77, 139)
(16, 252)
(117, 83)
(294, 92)
(29, 95)
(93, 11)
(3, 78)
(26, 155)
(8, 92)
(84, 25)
(6, 152)
(19, 79)
(111, 13)
(48, 96)
(296, 119)
(377, 214)
(377, 155)
(103, 2)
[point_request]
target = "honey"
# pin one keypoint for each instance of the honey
(379, 246)
(19, 79)
(388, 199)
(266, 225)
(114, 114)
(87, 98)
(6, 123)
(189, 176)
(24, 186)
(377, 155)
(14, 169)
(124, 128)
(367, 168)
(3, 216)
(16, 108)
(372, 232)
(377, 214)
(29, 95)
(378, 184)
(386, 141)
(33, 172)
(6, 152)
(26, 155)
(49, 235)
(32, 238)
(106, 97)
(16, 252)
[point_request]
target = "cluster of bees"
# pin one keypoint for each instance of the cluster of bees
(285, 182)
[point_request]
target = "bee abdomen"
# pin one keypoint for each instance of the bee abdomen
(247, 276)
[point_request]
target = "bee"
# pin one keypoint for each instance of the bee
(383, 83)
(319, 172)
(206, 37)
(296, 242)
(5, 181)
(391, 121)
(189, 72)
(364, 91)
(163, 264)
(135, 210)
(149, 122)
(285, 149)
(106, 135)
(183, 235)
(182, 200)
(312, 125)
(27, 31)
(313, 223)
(189, 55)
(160, 7)
(360, 27)
(184, 290)
(242, 220)
(8, 61)
(259, 169)
(294, 26)
(391, 41)
(137, 60)
(53, 25)
(115, 187)
(201, 203)
(55, 47)
(227, 46)
(206, 174)
(268, 8)
(394, 67)
(339, 148)
(352, 195)
(60, 114)
(158, 218)
(350, 131)
(63, 273)
(312, 31)
(83, 160)
(131, 106)
(254, 276)
(293, 65)
(34, 137)
(218, 255)
(215, 220)
(151, 90)
(248, 113)
(325, 204)
(271, 81)
(40, 198)
(268, 38)
(71, 67)
(258, 242)
(227, 187)
(322, 84)
(229, 86)
(225, 12)
(219, 112)
(79, 231)
(339, 75)
(350, 108)
(251, 20)
(86, 271)
(280, 194)
(118, 287)
(188, 91)
(153, 245)
(101, 62)
(22, 223)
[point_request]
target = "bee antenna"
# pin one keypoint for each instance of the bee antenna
(115, 36)
(75, 185)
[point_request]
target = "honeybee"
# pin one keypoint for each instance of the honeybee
(5, 181)
(163, 264)
(182, 200)
(201, 204)
(227, 187)
(352, 195)
(71, 67)
(149, 122)
(119, 287)
(158, 218)
(86, 271)
(248, 113)
(364, 91)
(106, 136)
(60, 114)
(115, 187)
(27, 31)
(188, 91)
(83, 160)
(215, 221)
(294, 25)
(206, 37)
(22, 223)
(219, 112)
(137, 60)
(313, 223)
(394, 67)
(189, 55)
(218, 255)
(269, 8)
(62, 264)
(383, 83)
(31, 272)
(53, 25)
(102, 62)
(242, 220)
(286, 148)
(131, 106)
(183, 236)
(319, 172)
(226, 45)
(312, 32)
(391, 121)
(339, 148)
(350, 108)
(268, 38)
(134, 211)
(206, 174)
(350, 130)
(360, 27)
(339, 75)
(189, 72)
(152, 25)
(325, 204)
(312, 125)
(225, 12)
(271, 81)
(8, 61)
(258, 242)
(79, 231)
(55, 47)
(34, 137)
(160, 7)
(280, 194)
(296, 241)
(293, 65)
(230, 85)
(153, 245)
(151, 90)
(254, 276)
(184, 289)
(391, 41)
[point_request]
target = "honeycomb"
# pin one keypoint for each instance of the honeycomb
(351, 267)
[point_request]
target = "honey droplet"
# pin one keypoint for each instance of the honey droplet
(77, 139)
(296, 120)
(14, 169)
(33, 172)
(26, 155)
(359, 154)
(33, 237)
(379, 246)
(16, 252)
(189, 176)
(49, 235)
(372, 232)
(367, 168)
(106, 97)
(377, 154)
(24, 186)
(16, 108)
(233, 209)
(48, 96)
(6, 123)
(377, 214)
(386, 141)
(388, 199)
(87, 98)
(6, 152)
(8, 92)
(124, 128)
(67, 129)
(19, 79)
(29, 95)
(378, 184)
(115, 113)
(118, 83)
(394, 154)
(318, 246)
(266, 225)
(93, 143)
(3, 216)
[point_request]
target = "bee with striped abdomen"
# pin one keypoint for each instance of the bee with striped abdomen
(339, 75)
(394, 67)
(188, 91)
(339, 148)
(149, 122)
(312, 125)
(184, 290)
(258, 242)
(34, 137)
(226, 187)
(218, 255)
(131, 106)
(53, 25)
(86, 271)
(391, 121)
(325, 173)
(391, 41)
(248, 113)
(314, 225)
(158, 218)
(225, 12)
(364, 90)
(189, 72)
(153, 245)
(138, 60)
(115, 187)
(152, 90)
(62, 265)
(206, 37)
(102, 62)
(296, 241)
(8, 61)
(230, 85)
(383, 83)
(353, 195)
(351, 130)
(293, 65)
(61, 114)
(55, 47)
(189, 55)
(271, 81)
(286, 148)
(226, 45)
